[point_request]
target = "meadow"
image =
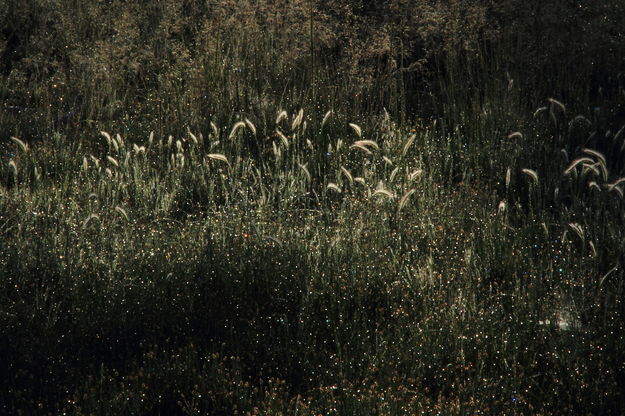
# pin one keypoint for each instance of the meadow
(321, 207)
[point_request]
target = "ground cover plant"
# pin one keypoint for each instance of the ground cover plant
(311, 207)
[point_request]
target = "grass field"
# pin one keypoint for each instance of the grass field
(250, 231)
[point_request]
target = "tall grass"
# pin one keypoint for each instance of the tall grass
(214, 234)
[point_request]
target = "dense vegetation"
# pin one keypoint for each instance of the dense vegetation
(312, 207)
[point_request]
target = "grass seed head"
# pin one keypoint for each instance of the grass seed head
(334, 187)
(404, 199)
(215, 130)
(121, 211)
(250, 126)
(23, 146)
(298, 119)
(283, 139)
(532, 174)
(326, 117)
(282, 115)
(577, 162)
(356, 129)
(348, 175)
(407, 144)
(218, 156)
(235, 129)
(112, 161)
(13, 168)
(306, 172)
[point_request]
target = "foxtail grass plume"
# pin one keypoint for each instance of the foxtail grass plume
(298, 119)
(13, 168)
(215, 130)
(578, 230)
(404, 199)
(283, 139)
(192, 136)
(356, 129)
(282, 115)
(113, 161)
(238, 125)
(326, 117)
(594, 185)
(576, 162)
(415, 174)
(600, 157)
(218, 156)
(348, 175)
(532, 174)
(23, 146)
(538, 111)
(107, 137)
(121, 211)
(305, 170)
(407, 144)
(393, 174)
(95, 160)
(276, 151)
(363, 148)
(89, 219)
(616, 189)
(382, 191)
(558, 104)
(502, 207)
(508, 178)
(250, 126)
(334, 187)
(366, 144)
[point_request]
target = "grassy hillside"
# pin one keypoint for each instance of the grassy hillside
(311, 207)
